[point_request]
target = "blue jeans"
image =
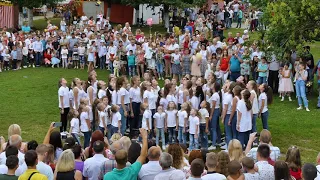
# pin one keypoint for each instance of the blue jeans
(182, 136)
(301, 93)
(193, 142)
(160, 131)
(262, 80)
(172, 134)
(235, 16)
(38, 58)
(111, 66)
(102, 62)
(215, 128)
(239, 23)
(123, 121)
(87, 136)
(132, 69)
(234, 75)
(244, 138)
(160, 68)
(76, 137)
(234, 126)
(227, 129)
(114, 130)
(264, 118)
(203, 136)
(254, 122)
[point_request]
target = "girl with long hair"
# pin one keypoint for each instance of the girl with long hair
(244, 119)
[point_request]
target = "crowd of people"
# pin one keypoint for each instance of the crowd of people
(129, 118)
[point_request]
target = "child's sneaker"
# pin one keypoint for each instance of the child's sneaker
(163, 147)
(290, 99)
(212, 148)
(307, 109)
(299, 108)
(33, 66)
(282, 99)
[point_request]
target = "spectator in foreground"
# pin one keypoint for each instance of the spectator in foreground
(211, 163)
(318, 167)
(152, 168)
(248, 167)
(14, 140)
(31, 159)
(223, 161)
(168, 172)
(234, 168)
(197, 167)
(265, 170)
(309, 171)
(65, 168)
(131, 172)
(42, 152)
(13, 150)
(12, 163)
(293, 159)
(281, 171)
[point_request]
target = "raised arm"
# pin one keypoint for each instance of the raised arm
(144, 149)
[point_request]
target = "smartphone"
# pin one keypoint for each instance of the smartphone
(258, 135)
(57, 124)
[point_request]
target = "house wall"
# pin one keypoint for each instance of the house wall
(148, 13)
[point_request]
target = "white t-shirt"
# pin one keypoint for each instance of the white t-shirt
(64, 91)
(116, 117)
(123, 92)
(251, 176)
(135, 94)
(171, 98)
(263, 96)
(75, 125)
(114, 97)
(181, 117)
(193, 123)
(246, 118)
(159, 117)
(102, 93)
(204, 114)
(195, 102)
(146, 116)
(102, 117)
(215, 176)
(108, 120)
(227, 100)
(255, 106)
(318, 176)
(164, 102)
(152, 99)
(64, 53)
(215, 97)
(236, 7)
(83, 117)
(171, 118)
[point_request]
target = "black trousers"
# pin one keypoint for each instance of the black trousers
(273, 80)
(135, 122)
(64, 119)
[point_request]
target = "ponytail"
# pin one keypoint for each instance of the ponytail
(269, 92)
(246, 96)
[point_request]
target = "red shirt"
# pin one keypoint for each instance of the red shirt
(224, 63)
(296, 174)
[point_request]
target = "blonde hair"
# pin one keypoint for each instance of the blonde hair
(66, 161)
(126, 142)
(115, 137)
(14, 129)
(235, 150)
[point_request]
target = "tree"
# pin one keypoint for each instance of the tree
(291, 24)
(166, 5)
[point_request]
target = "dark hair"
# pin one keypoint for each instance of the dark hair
(237, 90)
(12, 162)
(309, 171)
(166, 89)
(76, 151)
(197, 167)
(264, 151)
(55, 140)
(246, 96)
(281, 171)
(293, 158)
(247, 163)
(269, 93)
(69, 143)
(134, 152)
(98, 146)
(234, 167)
(11, 151)
(119, 83)
(31, 158)
(97, 135)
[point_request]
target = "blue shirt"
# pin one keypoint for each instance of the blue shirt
(14, 54)
(26, 29)
(234, 64)
(131, 60)
(263, 67)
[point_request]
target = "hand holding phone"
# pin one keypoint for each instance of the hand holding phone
(57, 124)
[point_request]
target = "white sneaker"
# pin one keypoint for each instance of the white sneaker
(33, 66)
(163, 147)
(290, 99)
(212, 148)
(307, 109)
(279, 95)
(224, 146)
(282, 99)
(299, 108)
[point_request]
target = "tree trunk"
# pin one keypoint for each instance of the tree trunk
(30, 17)
(166, 16)
(109, 9)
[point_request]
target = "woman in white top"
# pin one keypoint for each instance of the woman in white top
(102, 89)
(149, 96)
(265, 98)
(122, 101)
(91, 55)
(226, 111)
(214, 116)
(91, 90)
(64, 103)
(169, 93)
(244, 119)
(236, 91)
(135, 101)
(77, 92)
(183, 92)
(252, 87)
(204, 54)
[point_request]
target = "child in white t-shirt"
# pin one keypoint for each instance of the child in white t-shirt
(171, 121)
(102, 117)
(64, 57)
(85, 125)
(182, 124)
(159, 122)
(204, 123)
(75, 126)
(146, 119)
(248, 166)
(194, 122)
(115, 120)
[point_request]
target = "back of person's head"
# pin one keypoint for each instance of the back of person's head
(66, 161)
(247, 163)
(263, 151)
(116, 146)
(134, 152)
(265, 136)
(11, 151)
(154, 153)
(165, 160)
(177, 155)
(121, 157)
(42, 149)
(309, 171)
(98, 147)
(126, 142)
(32, 145)
(212, 160)
(293, 158)
(197, 167)
(31, 158)
(281, 170)
(235, 150)
(194, 154)
(14, 129)
(12, 162)
(223, 161)
(15, 140)
(55, 140)
(77, 151)
(69, 143)
(234, 167)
